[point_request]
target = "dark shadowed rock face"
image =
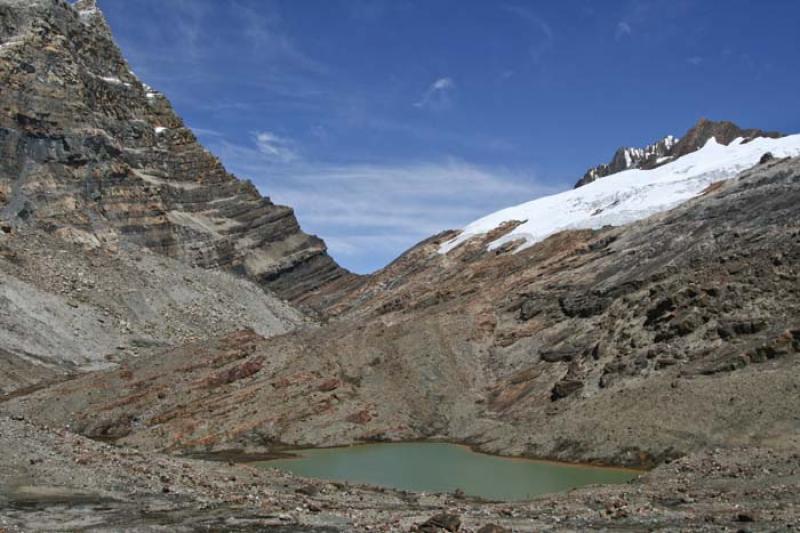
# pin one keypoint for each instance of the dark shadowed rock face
(669, 148)
(90, 152)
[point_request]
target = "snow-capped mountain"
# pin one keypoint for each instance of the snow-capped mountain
(670, 148)
(627, 158)
(629, 195)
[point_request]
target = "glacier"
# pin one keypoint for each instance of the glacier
(627, 196)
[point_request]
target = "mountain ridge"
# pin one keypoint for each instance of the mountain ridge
(628, 195)
(627, 157)
(670, 148)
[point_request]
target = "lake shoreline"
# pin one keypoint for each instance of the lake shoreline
(441, 467)
(744, 481)
(288, 452)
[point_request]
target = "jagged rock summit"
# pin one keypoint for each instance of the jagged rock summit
(626, 158)
(97, 157)
(724, 131)
(670, 148)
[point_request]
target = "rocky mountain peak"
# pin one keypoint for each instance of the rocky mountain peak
(723, 131)
(670, 148)
(626, 158)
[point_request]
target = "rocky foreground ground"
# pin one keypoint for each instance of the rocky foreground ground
(55, 480)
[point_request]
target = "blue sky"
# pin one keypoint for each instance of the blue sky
(383, 122)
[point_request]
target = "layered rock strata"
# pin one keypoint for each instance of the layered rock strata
(93, 154)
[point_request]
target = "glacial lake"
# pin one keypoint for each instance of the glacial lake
(441, 467)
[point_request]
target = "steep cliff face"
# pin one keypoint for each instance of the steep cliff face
(92, 154)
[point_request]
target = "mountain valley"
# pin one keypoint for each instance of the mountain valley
(157, 312)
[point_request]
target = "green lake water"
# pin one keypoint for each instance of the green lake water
(440, 467)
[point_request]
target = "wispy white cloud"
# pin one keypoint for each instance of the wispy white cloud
(363, 118)
(695, 60)
(622, 30)
(542, 36)
(199, 36)
(205, 132)
(369, 212)
(264, 29)
(437, 96)
(384, 208)
(319, 132)
(659, 17)
(275, 148)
